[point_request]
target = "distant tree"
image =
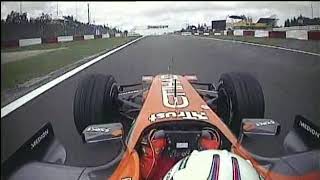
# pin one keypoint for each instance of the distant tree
(23, 18)
(44, 18)
(244, 17)
(301, 21)
(294, 21)
(287, 23)
(125, 32)
(68, 18)
(17, 18)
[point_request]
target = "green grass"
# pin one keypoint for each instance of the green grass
(305, 45)
(18, 72)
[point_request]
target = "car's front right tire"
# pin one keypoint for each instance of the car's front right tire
(240, 96)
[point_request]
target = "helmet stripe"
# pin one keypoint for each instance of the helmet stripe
(235, 169)
(183, 163)
(214, 170)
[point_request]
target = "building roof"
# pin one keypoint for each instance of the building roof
(219, 21)
(266, 20)
(235, 17)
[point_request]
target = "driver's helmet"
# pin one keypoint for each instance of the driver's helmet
(212, 165)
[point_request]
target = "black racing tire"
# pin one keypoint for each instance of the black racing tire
(95, 101)
(240, 96)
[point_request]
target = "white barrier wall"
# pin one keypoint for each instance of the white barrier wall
(261, 33)
(217, 34)
(309, 27)
(118, 35)
(186, 33)
(238, 32)
(28, 42)
(105, 35)
(65, 38)
(86, 37)
(297, 34)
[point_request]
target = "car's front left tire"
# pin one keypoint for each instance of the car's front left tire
(95, 101)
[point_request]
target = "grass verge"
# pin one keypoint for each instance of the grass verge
(18, 72)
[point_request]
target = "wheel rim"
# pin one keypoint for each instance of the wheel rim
(113, 92)
(114, 96)
(225, 106)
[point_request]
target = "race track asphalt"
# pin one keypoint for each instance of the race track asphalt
(290, 82)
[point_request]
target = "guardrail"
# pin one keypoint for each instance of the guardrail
(248, 33)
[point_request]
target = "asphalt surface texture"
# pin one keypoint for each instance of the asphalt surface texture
(290, 82)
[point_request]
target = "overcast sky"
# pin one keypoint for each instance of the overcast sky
(126, 15)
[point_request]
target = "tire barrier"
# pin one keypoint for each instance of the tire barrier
(49, 40)
(277, 34)
(248, 33)
(314, 35)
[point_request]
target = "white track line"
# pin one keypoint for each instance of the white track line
(31, 95)
(263, 45)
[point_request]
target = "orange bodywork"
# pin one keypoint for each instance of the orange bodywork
(154, 103)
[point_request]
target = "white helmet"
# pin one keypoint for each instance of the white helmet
(212, 165)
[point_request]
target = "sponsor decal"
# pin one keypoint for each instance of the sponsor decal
(265, 123)
(309, 129)
(130, 92)
(184, 115)
(97, 129)
(127, 178)
(182, 145)
(147, 78)
(39, 139)
(170, 83)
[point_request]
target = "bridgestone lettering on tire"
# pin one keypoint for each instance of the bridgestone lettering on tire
(95, 101)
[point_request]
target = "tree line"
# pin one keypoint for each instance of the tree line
(21, 18)
(18, 25)
(301, 21)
